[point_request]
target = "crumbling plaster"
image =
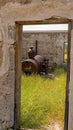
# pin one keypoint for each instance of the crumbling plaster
(9, 13)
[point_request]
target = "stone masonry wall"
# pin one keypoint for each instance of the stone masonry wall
(49, 45)
(7, 78)
(10, 12)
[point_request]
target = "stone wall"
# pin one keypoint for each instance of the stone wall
(10, 12)
(3, 2)
(49, 45)
(7, 79)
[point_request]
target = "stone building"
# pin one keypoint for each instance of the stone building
(14, 14)
(49, 44)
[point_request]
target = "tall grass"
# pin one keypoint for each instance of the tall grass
(42, 99)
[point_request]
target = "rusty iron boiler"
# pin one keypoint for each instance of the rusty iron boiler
(38, 64)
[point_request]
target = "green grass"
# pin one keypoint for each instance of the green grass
(42, 99)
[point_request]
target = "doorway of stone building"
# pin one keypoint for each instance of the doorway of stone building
(41, 109)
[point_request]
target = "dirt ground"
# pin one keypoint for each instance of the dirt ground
(54, 126)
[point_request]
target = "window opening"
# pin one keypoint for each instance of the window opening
(65, 51)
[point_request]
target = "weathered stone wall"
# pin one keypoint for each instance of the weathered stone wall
(3, 2)
(7, 79)
(9, 14)
(49, 44)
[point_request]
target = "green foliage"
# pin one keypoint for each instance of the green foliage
(42, 99)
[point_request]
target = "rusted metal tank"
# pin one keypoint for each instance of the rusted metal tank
(30, 66)
(35, 65)
(39, 58)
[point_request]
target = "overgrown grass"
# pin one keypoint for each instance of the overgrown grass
(42, 99)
